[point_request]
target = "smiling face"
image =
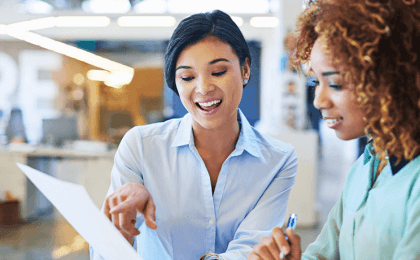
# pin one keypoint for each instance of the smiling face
(209, 81)
(335, 99)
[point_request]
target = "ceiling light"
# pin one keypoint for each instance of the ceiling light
(115, 80)
(97, 75)
(151, 7)
(264, 21)
(35, 24)
(3, 29)
(146, 21)
(125, 73)
(82, 21)
(37, 7)
(230, 6)
(106, 6)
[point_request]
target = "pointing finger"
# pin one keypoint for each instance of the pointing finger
(149, 214)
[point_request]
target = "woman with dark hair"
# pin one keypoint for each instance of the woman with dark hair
(208, 185)
(365, 56)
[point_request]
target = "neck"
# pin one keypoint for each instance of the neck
(217, 141)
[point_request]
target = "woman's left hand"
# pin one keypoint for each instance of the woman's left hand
(270, 247)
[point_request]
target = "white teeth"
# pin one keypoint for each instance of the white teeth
(332, 121)
(209, 104)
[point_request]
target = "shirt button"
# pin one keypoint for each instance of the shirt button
(211, 222)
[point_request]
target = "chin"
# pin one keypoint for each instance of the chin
(348, 136)
(207, 124)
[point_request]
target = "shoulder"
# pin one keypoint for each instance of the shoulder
(414, 186)
(149, 134)
(268, 144)
(162, 128)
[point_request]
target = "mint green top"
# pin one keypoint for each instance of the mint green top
(380, 221)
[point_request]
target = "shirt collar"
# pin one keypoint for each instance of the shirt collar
(392, 161)
(246, 141)
(368, 152)
(184, 134)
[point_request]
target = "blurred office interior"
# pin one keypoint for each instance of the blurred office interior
(75, 75)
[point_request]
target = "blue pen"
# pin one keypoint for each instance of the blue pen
(290, 224)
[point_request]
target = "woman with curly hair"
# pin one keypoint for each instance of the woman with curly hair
(364, 55)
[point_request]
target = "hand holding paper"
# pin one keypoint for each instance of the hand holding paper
(75, 204)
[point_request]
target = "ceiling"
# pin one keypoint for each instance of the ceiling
(145, 6)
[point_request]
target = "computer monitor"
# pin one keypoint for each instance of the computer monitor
(57, 131)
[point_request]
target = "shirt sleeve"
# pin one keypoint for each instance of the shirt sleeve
(126, 169)
(269, 212)
(408, 247)
(326, 244)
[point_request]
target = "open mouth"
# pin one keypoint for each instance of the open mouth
(209, 106)
(333, 122)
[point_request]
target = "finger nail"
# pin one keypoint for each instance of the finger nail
(284, 250)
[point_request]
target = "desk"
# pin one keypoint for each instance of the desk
(90, 169)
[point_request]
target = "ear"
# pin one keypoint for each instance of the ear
(245, 69)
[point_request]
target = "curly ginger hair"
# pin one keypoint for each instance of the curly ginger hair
(376, 43)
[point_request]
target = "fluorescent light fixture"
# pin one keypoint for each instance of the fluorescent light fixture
(275, 6)
(3, 29)
(264, 21)
(106, 6)
(125, 73)
(146, 21)
(151, 7)
(35, 24)
(238, 20)
(97, 75)
(37, 7)
(115, 80)
(119, 74)
(82, 21)
(230, 6)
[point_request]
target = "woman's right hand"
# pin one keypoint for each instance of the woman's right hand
(270, 247)
(121, 208)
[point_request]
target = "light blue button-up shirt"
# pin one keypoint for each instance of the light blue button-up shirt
(373, 220)
(249, 199)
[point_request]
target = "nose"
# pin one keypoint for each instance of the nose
(322, 97)
(204, 86)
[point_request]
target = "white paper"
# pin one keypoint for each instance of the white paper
(75, 204)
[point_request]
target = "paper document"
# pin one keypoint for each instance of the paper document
(75, 204)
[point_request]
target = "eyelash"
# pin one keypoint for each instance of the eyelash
(335, 87)
(216, 74)
(187, 79)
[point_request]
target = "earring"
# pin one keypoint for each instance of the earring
(245, 81)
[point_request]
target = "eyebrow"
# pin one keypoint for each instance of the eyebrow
(329, 73)
(210, 63)
(217, 60)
